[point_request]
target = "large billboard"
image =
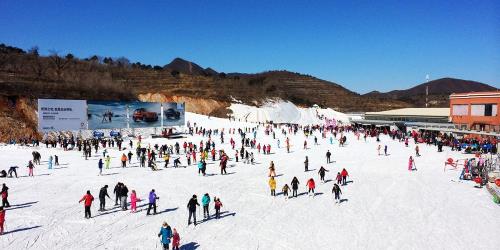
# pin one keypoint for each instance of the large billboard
(59, 115)
(174, 114)
(111, 115)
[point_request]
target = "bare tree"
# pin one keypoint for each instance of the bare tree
(59, 63)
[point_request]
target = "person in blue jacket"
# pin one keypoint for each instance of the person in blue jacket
(205, 201)
(166, 235)
(100, 164)
(50, 162)
(152, 202)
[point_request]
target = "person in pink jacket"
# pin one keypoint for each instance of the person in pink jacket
(411, 163)
(133, 202)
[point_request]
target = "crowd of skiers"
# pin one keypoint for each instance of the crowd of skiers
(208, 149)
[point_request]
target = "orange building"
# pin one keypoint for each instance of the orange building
(476, 111)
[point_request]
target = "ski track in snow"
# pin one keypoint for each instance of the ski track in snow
(387, 206)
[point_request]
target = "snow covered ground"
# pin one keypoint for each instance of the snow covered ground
(280, 111)
(385, 207)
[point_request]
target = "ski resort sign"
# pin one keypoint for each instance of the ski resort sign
(60, 115)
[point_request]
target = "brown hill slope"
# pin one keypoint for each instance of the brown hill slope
(439, 91)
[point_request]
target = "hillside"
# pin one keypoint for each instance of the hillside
(439, 91)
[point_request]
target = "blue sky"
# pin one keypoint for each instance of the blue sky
(372, 45)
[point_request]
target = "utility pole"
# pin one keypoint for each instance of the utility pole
(427, 91)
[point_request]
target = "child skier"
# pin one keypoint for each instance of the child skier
(30, 169)
(176, 240)
(133, 201)
(339, 178)
(285, 191)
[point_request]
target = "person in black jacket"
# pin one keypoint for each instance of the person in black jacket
(102, 198)
(123, 196)
(336, 190)
(117, 191)
(328, 155)
(295, 186)
(322, 171)
(5, 194)
(192, 209)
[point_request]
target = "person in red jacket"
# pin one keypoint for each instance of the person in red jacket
(2, 219)
(311, 185)
(344, 176)
(176, 240)
(87, 198)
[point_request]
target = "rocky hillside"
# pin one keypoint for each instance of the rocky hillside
(439, 92)
(27, 75)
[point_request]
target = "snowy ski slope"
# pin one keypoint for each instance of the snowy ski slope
(385, 207)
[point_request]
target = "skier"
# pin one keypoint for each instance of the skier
(124, 160)
(205, 201)
(311, 185)
(133, 201)
(285, 191)
(2, 219)
(30, 169)
(5, 195)
(218, 205)
(87, 198)
(417, 151)
(56, 160)
(336, 190)
(117, 191)
(272, 185)
(344, 176)
(152, 202)
(176, 240)
(102, 198)
(50, 161)
(385, 150)
(272, 171)
(107, 160)
(378, 149)
(322, 171)
(411, 164)
(295, 186)
(339, 178)
(306, 164)
(166, 235)
(192, 209)
(130, 157)
(328, 155)
(123, 196)
(99, 164)
(12, 169)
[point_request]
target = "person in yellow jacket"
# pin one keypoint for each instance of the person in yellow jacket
(272, 185)
(166, 157)
(107, 161)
